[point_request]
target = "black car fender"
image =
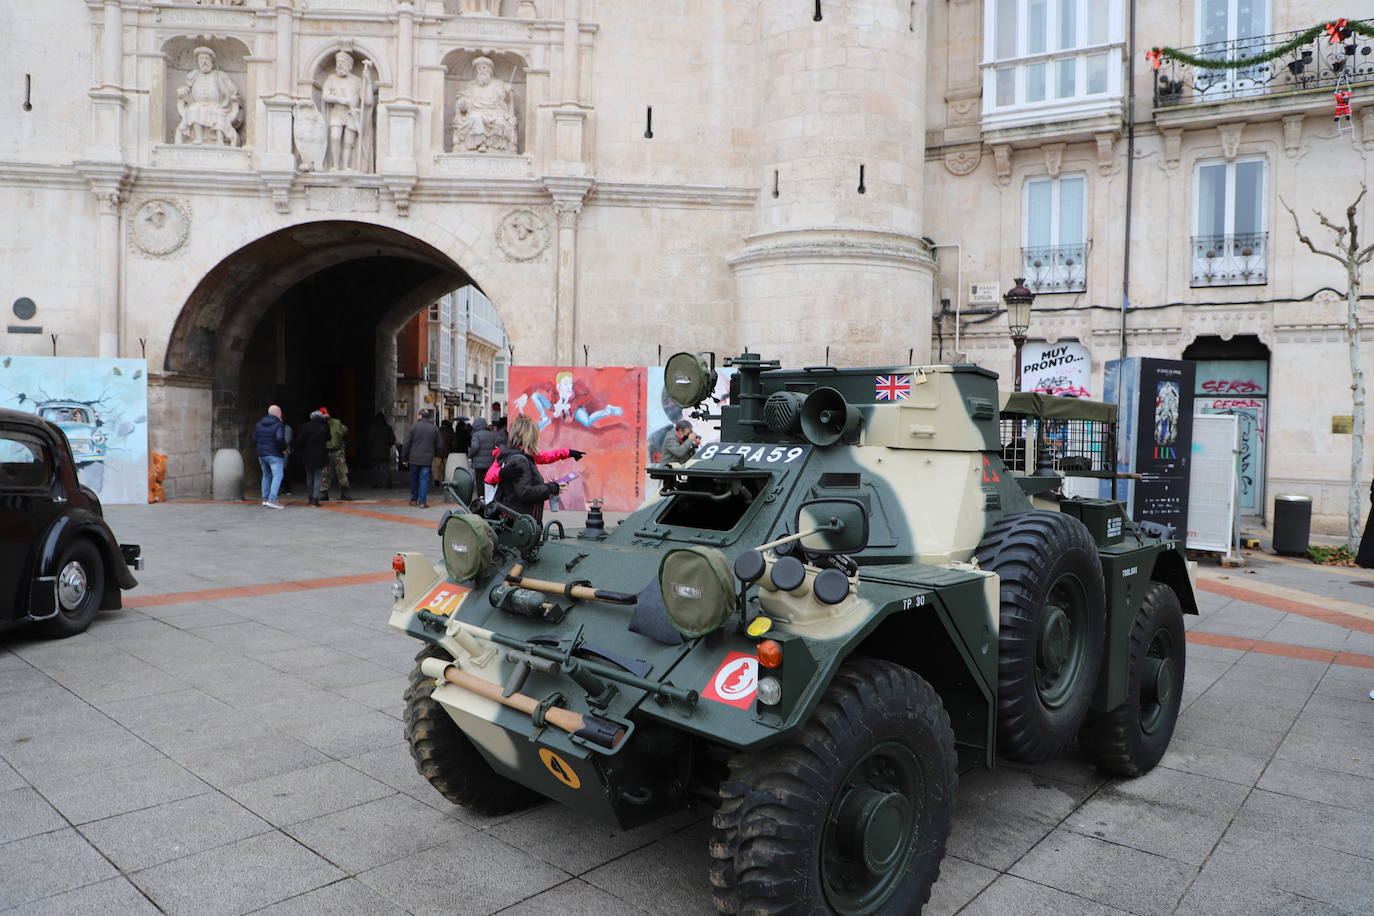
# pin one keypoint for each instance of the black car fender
(82, 523)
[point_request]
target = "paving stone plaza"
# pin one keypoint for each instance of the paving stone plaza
(231, 742)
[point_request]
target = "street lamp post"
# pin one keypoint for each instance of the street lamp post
(1018, 300)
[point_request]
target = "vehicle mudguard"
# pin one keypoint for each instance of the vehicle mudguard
(76, 524)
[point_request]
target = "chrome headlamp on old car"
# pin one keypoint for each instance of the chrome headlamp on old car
(468, 545)
(698, 589)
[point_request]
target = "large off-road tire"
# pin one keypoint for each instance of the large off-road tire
(445, 756)
(80, 588)
(1131, 739)
(1053, 623)
(851, 815)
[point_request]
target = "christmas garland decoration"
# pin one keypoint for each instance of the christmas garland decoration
(1338, 30)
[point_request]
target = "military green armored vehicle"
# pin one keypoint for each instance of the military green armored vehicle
(871, 583)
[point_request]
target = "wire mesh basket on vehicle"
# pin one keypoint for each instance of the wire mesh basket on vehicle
(1078, 437)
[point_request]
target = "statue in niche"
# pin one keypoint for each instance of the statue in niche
(484, 116)
(348, 103)
(208, 104)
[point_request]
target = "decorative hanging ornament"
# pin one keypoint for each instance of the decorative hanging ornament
(1342, 103)
(1155, 56)
(1338, 31)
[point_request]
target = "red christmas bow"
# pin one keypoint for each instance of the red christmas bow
(1338, 30)
(1155, 56)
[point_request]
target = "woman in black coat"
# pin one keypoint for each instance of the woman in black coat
(522, 489)
(310, 443)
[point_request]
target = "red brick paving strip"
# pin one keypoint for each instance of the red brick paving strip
(432, 524)
(1350, 659)
(1312, 611)
(254, 591)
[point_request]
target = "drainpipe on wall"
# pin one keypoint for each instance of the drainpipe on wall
(1130, 179)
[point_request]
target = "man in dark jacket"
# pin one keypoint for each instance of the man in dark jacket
(269, 437)
(682, 445)
(380, 441)
(422, 443)
(311, 443)
(480, 451)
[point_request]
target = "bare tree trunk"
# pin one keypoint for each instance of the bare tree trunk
(1352, 333)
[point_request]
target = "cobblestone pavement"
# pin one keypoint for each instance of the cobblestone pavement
(231, 742)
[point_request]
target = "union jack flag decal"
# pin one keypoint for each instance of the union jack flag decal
(892, 387)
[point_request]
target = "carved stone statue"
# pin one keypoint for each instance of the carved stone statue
(348, 103)
(208, 104)
(484, 116)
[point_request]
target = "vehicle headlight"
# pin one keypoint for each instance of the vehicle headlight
(467, 545)
(697, 588)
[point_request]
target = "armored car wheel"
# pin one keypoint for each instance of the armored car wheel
(1132, 738)
(1053, 623)
(445, 756)
(851, 815)
(80, 587)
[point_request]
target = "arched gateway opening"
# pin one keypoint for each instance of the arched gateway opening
(304, 317)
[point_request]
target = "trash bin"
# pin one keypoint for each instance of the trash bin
(1292, 524)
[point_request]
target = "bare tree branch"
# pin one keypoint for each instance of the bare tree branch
(1302, 237)
(1350, 213)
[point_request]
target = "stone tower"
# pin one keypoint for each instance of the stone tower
(837, 256)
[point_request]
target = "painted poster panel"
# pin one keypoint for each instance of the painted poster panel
(1250, 414)
(102, 406)
(663, 414)
(1064, 369)
(600, 411)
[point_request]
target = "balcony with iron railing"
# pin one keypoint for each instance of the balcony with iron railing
(1056, 268)
(1230, 260)
(1311, 65)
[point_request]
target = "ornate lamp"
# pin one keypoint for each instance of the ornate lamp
(1018, 300)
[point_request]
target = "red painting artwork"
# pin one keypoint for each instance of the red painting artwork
(600, 411)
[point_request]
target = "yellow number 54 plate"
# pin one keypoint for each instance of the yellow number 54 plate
(444, 599)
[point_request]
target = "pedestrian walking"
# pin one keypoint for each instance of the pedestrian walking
(381, 440)
(480, 453)
(502, 433)
(337, 468)
(445, 446)
(312, 444)
(522, 489)
(269, 438)
(422, 443)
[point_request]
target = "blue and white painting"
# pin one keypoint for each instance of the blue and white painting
(102, 406)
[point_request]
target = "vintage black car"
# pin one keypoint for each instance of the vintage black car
(59, 561)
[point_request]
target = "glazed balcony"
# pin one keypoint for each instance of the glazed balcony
(1056, 268)
(1183, 90)
(1230, 260)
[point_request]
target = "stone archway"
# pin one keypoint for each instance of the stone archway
(303, 316)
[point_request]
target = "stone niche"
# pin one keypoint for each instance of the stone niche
(460, 77)
(522, 9)
(367, 154)
(180, 61)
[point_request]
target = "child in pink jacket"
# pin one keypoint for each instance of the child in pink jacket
(548, 456)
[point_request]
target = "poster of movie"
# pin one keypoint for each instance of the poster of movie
(600, 411)
(1155, 439)
(101, 405)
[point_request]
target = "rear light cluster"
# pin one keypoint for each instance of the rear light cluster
(770, 659)
(398, 566)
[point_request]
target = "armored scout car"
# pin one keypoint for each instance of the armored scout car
(870, 584)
